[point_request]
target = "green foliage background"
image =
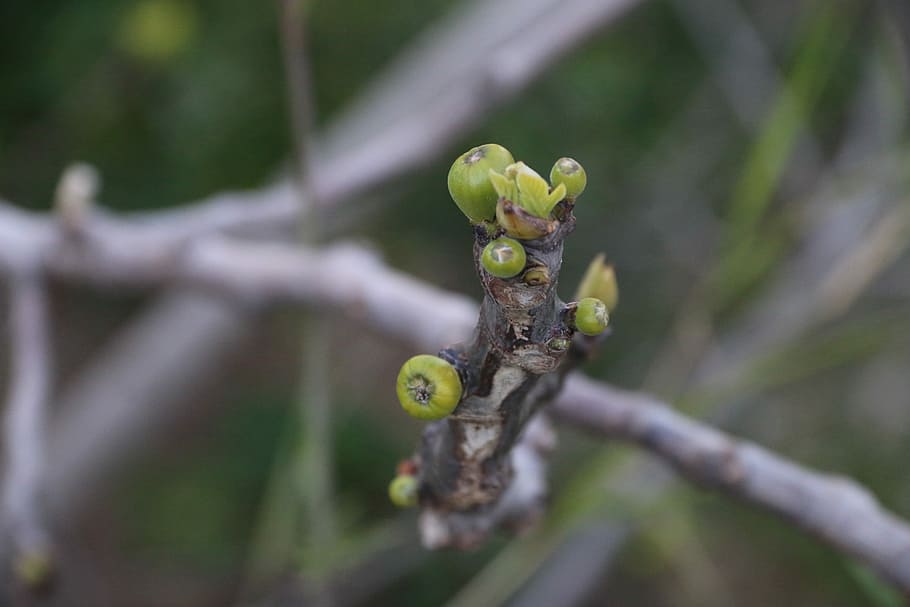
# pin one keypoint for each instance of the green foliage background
(175, 99)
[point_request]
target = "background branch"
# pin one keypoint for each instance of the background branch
(124, 415)
(25, 426)
(835, 510)
(756, 203)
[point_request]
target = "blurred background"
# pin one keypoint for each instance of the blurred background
(749, 178)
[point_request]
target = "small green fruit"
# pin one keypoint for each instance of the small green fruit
(503, 258)
(591, 316)
(571, 174)
(469, 180)
(403, 491)
(428, 387)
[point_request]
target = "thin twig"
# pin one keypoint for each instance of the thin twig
(836, 510)
(26, 421)
(123, 416)
(408, 309)
(313, 468)
(301, 105)
(886, 241)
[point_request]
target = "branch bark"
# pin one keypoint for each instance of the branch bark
(385, 150)
(26, 421)
(835, 510)
(508, 371)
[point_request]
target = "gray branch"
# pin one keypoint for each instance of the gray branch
(835, 509)
(363, 150)
(26, 420)
(352, 280)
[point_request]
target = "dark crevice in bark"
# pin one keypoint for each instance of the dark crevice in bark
(513, 365)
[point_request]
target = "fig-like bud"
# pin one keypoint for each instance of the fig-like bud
(600, 281)
(503, 258)
(469, 180)
(591, 316)
(526, 188)
(428, 387)
(403, 490)
(569, 173)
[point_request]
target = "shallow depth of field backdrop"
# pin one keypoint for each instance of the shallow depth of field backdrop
(748, 176)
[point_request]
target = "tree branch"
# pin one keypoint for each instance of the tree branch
(384, 150)
(26, 420)
(836, 511)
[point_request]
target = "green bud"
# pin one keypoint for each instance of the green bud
(403, 491)
(591, 316)
(569, 173)
(428, 387)
(503, 258)
(559, 344)
(536, 276)
(599, 281)
(469, 180)
(526, 188)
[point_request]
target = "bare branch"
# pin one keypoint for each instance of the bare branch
(384, 151)
(836, 510)
(158, 251)
(26, 421)
(113, 408)
(397, 149)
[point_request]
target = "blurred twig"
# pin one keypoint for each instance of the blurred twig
(25, 428)
(887, 240)
(113, 408)
(312, 465)
(573, 568)
(897, 17)
(741, 63)
(405, 307)
(750, 250)
(132, 391)
(834, 509)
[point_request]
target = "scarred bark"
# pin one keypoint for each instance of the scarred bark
(514, 364)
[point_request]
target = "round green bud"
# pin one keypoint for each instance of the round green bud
(503, 257)
(428, 387)
(559, 344)
(403, 491)
(569, 172)
(591, 316)
(469, 180)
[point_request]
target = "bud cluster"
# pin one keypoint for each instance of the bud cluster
(513, 208)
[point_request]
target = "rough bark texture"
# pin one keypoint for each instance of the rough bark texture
(513, 364)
